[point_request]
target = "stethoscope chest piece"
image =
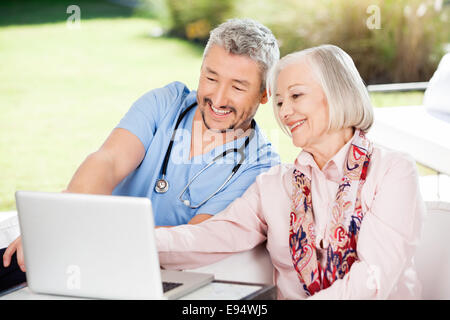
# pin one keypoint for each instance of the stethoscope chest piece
(161, 186)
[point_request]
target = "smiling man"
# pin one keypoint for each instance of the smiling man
(181, 178)
(190, 152)
(229, 90)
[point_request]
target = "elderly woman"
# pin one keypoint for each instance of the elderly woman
(344, 219)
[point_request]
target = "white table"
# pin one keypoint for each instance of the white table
(216, 290)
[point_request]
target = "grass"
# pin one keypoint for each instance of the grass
(62, 90)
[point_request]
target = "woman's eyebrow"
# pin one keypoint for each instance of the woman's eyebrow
(296, 84)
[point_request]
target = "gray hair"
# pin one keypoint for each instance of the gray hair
(250, 38)
(348, 100)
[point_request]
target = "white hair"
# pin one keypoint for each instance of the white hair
(347, 96)
(250, 38)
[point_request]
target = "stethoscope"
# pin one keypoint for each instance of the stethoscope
(162, 185)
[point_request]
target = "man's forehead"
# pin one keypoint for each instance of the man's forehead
(240, 68)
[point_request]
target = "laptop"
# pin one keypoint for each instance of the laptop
(96, 246)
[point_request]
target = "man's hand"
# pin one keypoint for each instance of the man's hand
(15, 246)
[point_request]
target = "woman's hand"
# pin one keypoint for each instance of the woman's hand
(15, 246)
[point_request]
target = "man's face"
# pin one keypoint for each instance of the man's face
(229, 90)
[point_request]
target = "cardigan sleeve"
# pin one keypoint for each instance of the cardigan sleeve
(238, 228)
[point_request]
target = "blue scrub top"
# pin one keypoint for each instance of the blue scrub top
(152, 119)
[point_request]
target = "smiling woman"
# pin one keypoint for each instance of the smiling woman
(320, 99)
(343, 220)
(349, 104)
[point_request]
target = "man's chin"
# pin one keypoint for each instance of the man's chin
(216, 127)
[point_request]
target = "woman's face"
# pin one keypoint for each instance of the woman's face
(302, 105)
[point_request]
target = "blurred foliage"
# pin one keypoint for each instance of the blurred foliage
(405, 46)
(62, 91)
(21, 12)
(192, 19)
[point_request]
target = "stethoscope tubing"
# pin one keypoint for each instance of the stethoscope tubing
(165, 183)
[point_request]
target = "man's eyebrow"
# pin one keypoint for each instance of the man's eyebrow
(208, 69)
(240, 81)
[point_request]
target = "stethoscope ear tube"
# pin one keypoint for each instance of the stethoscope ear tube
(233, 171)
(169, 148)
(162, 185)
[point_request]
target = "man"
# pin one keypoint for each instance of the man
(138, 158)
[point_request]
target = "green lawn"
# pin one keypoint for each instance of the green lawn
(63, 90)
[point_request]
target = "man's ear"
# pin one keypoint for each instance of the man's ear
(264, 97)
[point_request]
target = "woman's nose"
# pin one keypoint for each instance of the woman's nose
(285, 111)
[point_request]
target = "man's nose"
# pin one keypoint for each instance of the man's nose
(220, 97)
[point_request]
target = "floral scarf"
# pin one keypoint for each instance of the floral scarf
(342, 231)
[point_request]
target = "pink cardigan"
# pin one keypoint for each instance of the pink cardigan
(389, 233)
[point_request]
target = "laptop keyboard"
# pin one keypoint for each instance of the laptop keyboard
(167, 286)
